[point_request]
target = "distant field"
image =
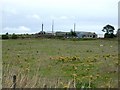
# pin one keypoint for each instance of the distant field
(60, 63)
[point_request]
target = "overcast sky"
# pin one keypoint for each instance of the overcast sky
(26, 16)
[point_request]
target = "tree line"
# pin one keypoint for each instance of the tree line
(108, 29)
(7, 36)
(16, 36)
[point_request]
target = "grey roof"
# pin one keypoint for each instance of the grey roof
(83, 32)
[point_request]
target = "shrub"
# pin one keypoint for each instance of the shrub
(14, 36)
(5, 37)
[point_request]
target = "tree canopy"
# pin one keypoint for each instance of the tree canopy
(109, 31)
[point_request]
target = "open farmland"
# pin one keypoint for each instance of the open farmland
(60, 63)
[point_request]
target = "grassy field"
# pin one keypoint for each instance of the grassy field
(60, 63)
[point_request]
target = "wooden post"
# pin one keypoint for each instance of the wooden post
(14, 82)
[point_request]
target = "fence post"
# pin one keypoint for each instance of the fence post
(14, 82)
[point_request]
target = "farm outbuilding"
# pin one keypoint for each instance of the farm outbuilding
(86, 35)
(79, 34)
(59, 33)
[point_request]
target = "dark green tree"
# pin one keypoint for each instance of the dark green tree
(73, 33)
(109, 31)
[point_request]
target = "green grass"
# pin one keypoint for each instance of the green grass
(60, 63)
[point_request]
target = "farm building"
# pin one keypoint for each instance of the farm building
(41, 33)
(86, 34)
(44, 34)
(79, 34)
(59, 33)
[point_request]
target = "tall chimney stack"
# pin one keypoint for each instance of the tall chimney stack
(42, 27)
(74, 27)
(52, 26)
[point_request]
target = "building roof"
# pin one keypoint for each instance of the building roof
(83, 32)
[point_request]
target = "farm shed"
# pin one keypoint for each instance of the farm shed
(62, 33)
(86, 35)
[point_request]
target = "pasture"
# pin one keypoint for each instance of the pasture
(55, 63)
